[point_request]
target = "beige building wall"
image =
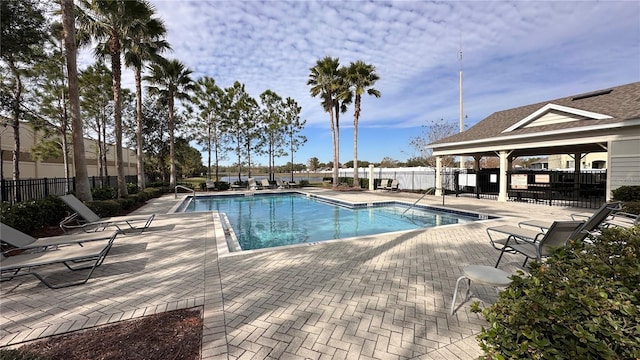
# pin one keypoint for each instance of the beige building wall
(52, 168)
(588, 161)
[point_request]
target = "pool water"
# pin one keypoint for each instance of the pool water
(263, 221)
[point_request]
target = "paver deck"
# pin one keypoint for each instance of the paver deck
(372, 297)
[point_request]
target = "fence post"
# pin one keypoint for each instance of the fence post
(46, 187)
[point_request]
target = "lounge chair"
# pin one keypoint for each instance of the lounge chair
(90, 255)
(591, 222)
(89, 221)
(253, 185)
(281, 184)
(20, 241)
(393, 186)
(623, 220)
(210, 185)
(557, 236)
(265, 184)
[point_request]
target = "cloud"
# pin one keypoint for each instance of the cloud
(514, 53)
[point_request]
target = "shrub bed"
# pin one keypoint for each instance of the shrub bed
(582, 303)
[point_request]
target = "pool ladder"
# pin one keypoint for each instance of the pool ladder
(186, 188)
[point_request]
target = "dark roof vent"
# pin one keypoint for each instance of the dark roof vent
(593, 94)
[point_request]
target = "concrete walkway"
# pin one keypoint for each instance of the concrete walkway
(373, 297)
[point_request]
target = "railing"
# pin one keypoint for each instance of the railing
(36, 189)
(186, 188)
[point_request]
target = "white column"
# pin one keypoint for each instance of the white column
(371, 179)
(502, 195)
(438, 176)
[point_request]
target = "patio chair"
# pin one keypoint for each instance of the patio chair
(90, 255)
(89, 221)
(265, 184)
(623, 220)
(210, 185)
(591, 222)
(253, 185)
(280, 184)
(557, 236)
(393, 186)
(20, 241)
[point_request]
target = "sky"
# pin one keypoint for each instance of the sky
(513, 54)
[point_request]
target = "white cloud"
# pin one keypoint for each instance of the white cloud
(514, 52)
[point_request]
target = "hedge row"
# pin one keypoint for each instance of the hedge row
(29, 216)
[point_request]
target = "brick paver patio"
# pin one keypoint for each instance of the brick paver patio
(373, 297)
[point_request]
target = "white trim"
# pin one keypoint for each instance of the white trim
(627, 123)
(536, 114)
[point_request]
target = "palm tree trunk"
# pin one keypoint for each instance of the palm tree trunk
(356, 116)
(83, 190)
(172, 149)
(116, 71)
(139, 152)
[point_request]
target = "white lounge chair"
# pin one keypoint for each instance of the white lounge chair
(393, 186)
(90, 255)
(20, 241)
(253, 185)
(265, 184)
(89, 221)
(281, 184)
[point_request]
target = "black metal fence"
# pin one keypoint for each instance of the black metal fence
(554, 188)
(35, 189)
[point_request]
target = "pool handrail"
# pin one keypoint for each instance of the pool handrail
(186, 188)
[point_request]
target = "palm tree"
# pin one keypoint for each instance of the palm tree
(172, 82)
(141, 47)
(325, 79)
(360, 77)
(111, 23)
(83, 190)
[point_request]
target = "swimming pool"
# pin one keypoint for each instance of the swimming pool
(271, 220)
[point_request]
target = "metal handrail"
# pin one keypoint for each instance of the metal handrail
(186, 188)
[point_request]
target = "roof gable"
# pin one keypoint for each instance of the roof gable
(552, 114)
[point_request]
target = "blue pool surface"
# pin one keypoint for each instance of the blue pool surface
(270, 220)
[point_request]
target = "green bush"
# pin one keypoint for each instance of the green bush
(222, 185)
(582, 303)
(52, 210)
(25, 216)
(132, 188)
(104, 193)
(304, 183)
(142, 196)
(627, 193)
(152, 192)
(632, 207)
(127, 202)
(105, 208)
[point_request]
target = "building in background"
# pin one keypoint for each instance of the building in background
(54, 168)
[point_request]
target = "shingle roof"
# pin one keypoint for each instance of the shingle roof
(621, 103)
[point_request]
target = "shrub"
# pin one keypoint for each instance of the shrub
(132, 188)
(583, 303)
(105, 208)
(627, 193)
(52, 209)
(632, 207)
(104, 193)
(142, 196)
(25, 216)
(152, 192)
(222, 185)
(126, 203)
